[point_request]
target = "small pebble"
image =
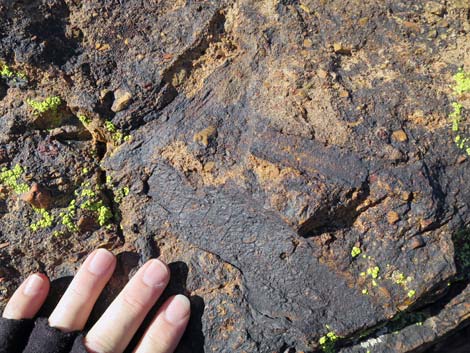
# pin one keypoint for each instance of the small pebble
(417, 242)
(38, 196)
(122, 98)
(393, 217)
(341, 49)
(400, 136)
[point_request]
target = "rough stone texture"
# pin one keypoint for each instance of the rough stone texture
(267, 139)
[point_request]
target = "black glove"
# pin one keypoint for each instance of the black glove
(36, 336)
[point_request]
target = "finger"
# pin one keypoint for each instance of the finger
(114, 330)
(28, 298)
(166, 330)
(74, 308)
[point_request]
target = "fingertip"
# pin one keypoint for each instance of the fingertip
(129, 308)
(168, 326)
(178, 309)
(75, 306)
(35, 285)
(156, 273)
(28, 298)
(101, 262)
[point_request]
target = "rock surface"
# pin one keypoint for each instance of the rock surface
(263, 141)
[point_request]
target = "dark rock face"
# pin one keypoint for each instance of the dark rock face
(268, 139)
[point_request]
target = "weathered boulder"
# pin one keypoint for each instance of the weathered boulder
(264, 141)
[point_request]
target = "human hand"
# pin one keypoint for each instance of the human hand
(116, 327)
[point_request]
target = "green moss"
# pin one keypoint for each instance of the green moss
(46, 220)
(50, 104)
(411, 293)
(10, 177)
(355, 251)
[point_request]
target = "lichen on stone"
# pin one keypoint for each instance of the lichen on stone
(10, 177)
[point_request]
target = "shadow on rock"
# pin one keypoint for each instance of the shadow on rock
(42, 33)
(461, 240)
(458, 341)
(193, 339)
(58, 287)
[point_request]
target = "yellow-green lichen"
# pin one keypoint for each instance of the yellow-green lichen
(68, 216)
(50, 104)
(10, 177)
(373, 272)
(328, 341)
(462, 82)
(456, 115)
(399, 278)
(84, 119)
(45, 221)
(119, 194)
(110, 126)
(117, 135)
(104, 215)
(355, 251)
(103, 211)
(461, 86)
(88, 193)
(8, 73)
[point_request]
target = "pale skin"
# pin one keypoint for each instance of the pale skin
(116, 327)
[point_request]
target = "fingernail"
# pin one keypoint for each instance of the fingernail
(156, 274)
(177, 310)
(100, 262)
(33, 285)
